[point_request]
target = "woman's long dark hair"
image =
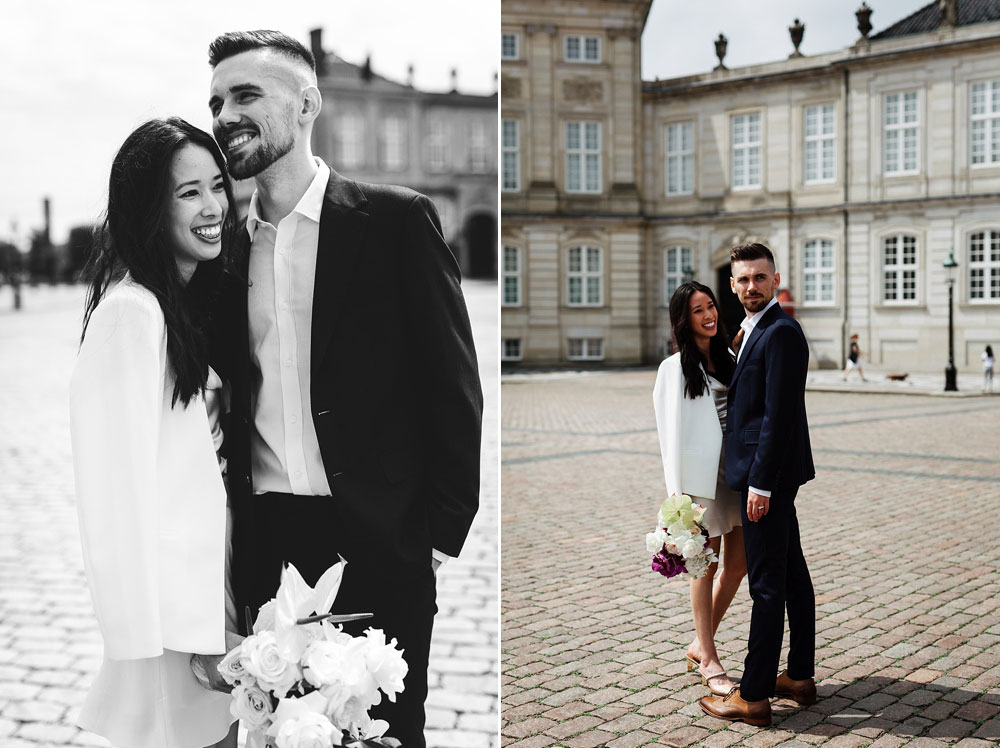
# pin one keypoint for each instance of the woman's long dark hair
(132, 238)
(691, 358)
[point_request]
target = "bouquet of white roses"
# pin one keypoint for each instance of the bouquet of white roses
(303, 682)
(679, 542)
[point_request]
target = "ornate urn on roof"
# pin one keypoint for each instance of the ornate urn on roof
(796, 31)
(720, 50)
(864, 14)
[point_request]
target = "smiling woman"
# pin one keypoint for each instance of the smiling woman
(142, 404)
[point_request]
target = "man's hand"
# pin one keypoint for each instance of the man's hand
(206, 671)
(757, 506)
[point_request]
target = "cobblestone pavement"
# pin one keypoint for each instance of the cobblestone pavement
(899, 528)
(50, 647)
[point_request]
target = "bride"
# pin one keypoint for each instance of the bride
(690, 398)
(144, 426)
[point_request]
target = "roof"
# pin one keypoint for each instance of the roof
(929, 18)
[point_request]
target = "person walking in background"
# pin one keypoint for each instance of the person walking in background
(357, 407)
(689, 399)
(768, 457)
(987, 357)
(144, 429)
(854, 360)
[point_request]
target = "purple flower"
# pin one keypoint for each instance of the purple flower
(668, 564)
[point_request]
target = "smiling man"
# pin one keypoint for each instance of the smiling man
(356, 404)
(767, 458)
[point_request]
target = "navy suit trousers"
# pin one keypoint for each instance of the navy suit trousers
(779, 579)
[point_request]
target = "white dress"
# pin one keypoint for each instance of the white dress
(152, 509)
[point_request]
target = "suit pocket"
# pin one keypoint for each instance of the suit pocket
(751, 436)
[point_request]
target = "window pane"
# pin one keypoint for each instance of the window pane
(575, 290)
(593, 259)
(573, 135)
(592, 49)
(510, 290)
(510, 259)
(593, 173)
(572, 47)
(573, 172)
(592, 136)
(688, 183)
(812, 121)
(593, 290)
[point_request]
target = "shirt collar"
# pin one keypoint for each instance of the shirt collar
(749, 323)
(310, 205)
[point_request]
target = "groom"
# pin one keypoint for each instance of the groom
(767, 458)
(356, 403)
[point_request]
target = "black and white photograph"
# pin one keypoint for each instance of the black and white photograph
(249, 323)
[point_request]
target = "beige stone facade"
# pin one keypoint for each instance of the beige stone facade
(862, 169)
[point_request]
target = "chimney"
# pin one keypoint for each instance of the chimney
(409, 76)
(366, 70)
(316, 45)
(47, 206)
(454, 80)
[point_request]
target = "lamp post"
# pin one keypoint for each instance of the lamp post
(950, 267)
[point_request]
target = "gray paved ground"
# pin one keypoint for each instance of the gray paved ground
(900, 530)
(50, 647)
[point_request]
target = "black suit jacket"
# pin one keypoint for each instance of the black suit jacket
(395, 391)
(767, 436)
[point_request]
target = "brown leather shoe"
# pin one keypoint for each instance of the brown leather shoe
(801, 691)
(732, 707)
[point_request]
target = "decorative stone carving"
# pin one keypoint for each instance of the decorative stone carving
(720, 51)
(510, 87)
(864, 14)
(583, 90)
(796, 31)
(541, 28)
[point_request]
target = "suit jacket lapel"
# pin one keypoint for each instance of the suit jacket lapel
(762, 324)
(342, 225)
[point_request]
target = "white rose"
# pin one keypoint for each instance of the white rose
(691, 547)
(264, 662)
(251, 705)
(308, 730)
(655, 540)
(233, 669)
(385, 663)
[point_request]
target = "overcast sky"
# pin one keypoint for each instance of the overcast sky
(680, 34)
(77, 78)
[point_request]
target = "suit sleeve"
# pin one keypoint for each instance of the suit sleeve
(116, 396)
(453, 400)
(786, 360)
(667, 395)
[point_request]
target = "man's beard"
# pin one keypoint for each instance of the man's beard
(755, 304)
(260, 158)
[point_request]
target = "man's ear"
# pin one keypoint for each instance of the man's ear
(732, 284)
(777, 281)
(312, 102)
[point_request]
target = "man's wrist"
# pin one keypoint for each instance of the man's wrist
(760, 491)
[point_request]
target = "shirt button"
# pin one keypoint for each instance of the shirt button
(284, 305)
(298, 473)
(288, 362)
(294, 419)
(281, 250)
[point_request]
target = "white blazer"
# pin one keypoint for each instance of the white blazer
(690, 433)
(150, 497)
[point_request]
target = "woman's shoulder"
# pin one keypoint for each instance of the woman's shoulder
(128, 306)
(671, 363)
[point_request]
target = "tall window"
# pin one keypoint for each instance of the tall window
(902, 133)
(510, 349)
(393, 151)
(746, 150)
(680, 158)
(437, 145)
(585, 277)
(984, 116)
(583, 157)
(821, 144)
(350, 140)
(583, 49)
(511, 147)
(899, 268)
(511, 276)
(817, 272)
(478, 151)
(508, 47)
(984, 266)
(676, 267)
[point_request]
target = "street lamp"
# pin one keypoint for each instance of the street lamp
(950, 267)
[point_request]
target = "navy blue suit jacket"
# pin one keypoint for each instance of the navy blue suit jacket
(767, 437)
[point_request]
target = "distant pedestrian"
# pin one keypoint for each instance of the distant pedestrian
(854, 359)
(987, 357)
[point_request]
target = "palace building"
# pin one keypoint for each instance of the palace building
(864, 169)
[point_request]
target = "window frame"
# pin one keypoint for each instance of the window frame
(585, 352)
(898, 268)
(516, 275)
(821, 138)
(437, 146)
(514, 151)
(583, 154)
(900, 126)
(747, 146)
(401, 150)
(584, 274)
(504, 356)
(581, 40)
(356, 144)
(517, 45)
(988, 266)
(666, 276)
(819, 271)
(679, 155)
(991, 130)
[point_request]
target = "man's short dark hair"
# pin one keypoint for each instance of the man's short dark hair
(236, 42)
(748, 251)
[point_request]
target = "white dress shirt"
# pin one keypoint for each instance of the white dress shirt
(748, 326)
(284, 447)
